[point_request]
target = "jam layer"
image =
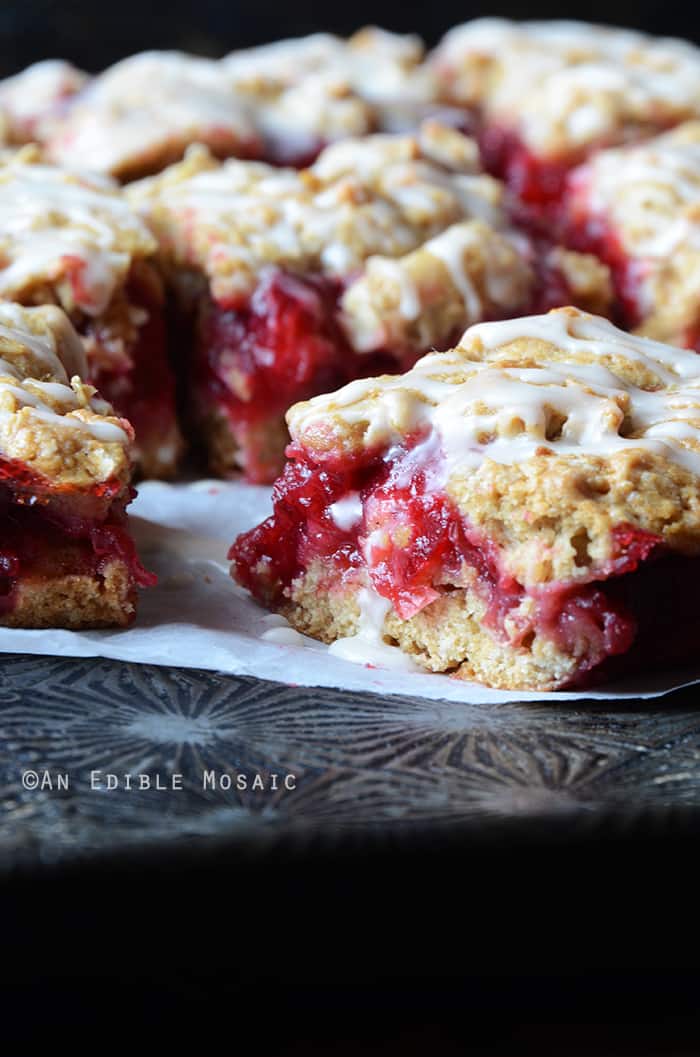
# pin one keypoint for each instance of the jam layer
(394, 524)
(45, 535)
(253, 362)
(535, 181)
(142, 387)
(591, 234)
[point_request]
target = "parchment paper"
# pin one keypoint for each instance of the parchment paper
(198, 618)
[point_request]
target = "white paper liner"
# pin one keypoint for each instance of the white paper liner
(198, 618)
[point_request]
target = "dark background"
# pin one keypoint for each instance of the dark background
(93, 34)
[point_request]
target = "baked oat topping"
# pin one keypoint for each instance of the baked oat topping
(65, 236)
(50, 419)
(568, 85)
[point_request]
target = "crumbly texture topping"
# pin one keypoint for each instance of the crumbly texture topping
(373, 62)
(30, 100)
(323, 88)
(140, 114)
(566, 86)
(383, 195)
(65, 237)
(416, 301)
(650, 196)
(547, 431)
(50, 419)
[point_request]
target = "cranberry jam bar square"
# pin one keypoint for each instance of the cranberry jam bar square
(280, 103)
(69, 238)
(523, 510)
(547, 94)
(66, 556)
(638, 209)
(295, 282)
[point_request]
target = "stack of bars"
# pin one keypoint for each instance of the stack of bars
(489, 256)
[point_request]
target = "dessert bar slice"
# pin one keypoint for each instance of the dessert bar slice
(312, 91)
(298, 281)
(141, 114)
(71, 239)
(66, 556)
(638, 209)
(281, 103)
(523, 510)
(548, 93)
(34, 98)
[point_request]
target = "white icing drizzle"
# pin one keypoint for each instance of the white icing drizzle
(293, 92)
(376, 64)
(377, 196)
(651, 192)
(50, 218)
(567, 84)
(367, 645)
(403, 302)
(279, 630)
(144, 103)
(450, 247)
(347, 511)
(476, 409)
(48, 401)
(34, 94)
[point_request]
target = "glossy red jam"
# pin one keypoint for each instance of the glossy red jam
(414, 545)
(588, 233)
(284, 345)
(692, 339)
(43, 534)
(535, 181)
(142, 388)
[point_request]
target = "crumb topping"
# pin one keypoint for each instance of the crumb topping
(50, 419)
(65, 236)
(31, 98)
(147, 104)
(540, 428)
(415, 301)
(649, 195)
(382, 195)
(566, 85)
(142, 112)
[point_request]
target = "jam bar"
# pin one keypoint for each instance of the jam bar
(71, 239)
(141, 114)
(523, 510)
(280, 103)
(638, 209)
(66, 556)
(31, 100)
(548, 93)
(298, 281)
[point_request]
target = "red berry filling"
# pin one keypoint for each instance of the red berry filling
(414, 545)
(536, 181)
(49, 532)
(142, 387)
(590, 233)
(284, 345)
(692, 338)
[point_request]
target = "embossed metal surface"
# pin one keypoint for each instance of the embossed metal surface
(350, 761)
